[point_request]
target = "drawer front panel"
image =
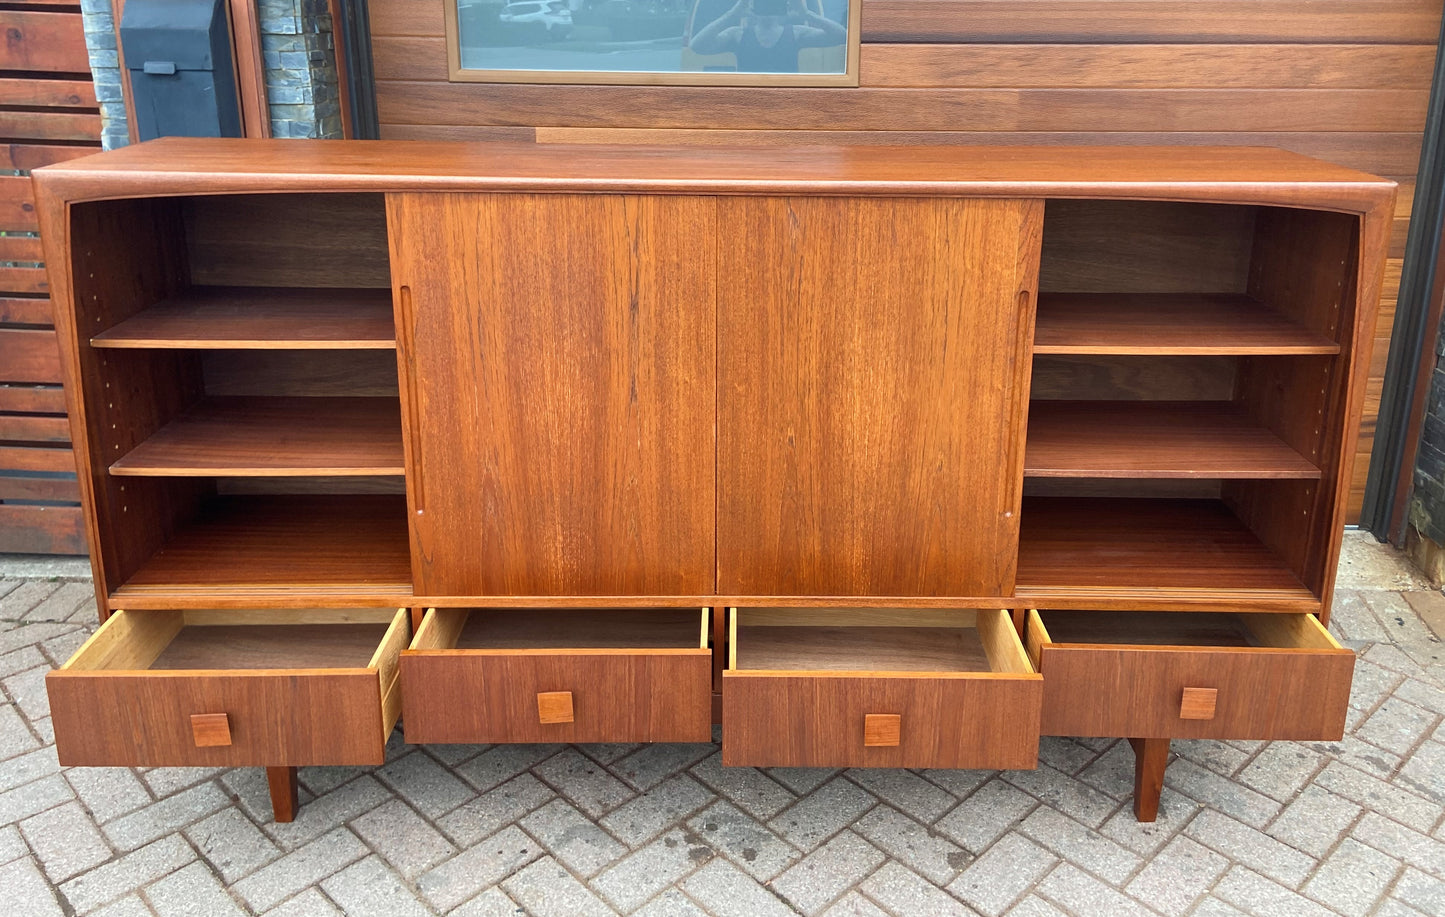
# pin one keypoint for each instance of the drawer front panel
(1140, 692)
(273, 718)
(839, 721)
(502, 696)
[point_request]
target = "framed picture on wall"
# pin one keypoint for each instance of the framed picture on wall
(686, 42)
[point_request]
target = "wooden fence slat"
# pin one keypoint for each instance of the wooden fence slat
(19, 311)
(1063, 66)
(43, 41)
(1151, 21)
(1201, 110)
(21, 248)
(42, 530)
(36, 458)
(17, 204)
(47, 93)
(32, 399)
(29, 356)
(34, 428)
(27, 156)
(18, 488)
(1165, 66)
(24, 280)
(50, 125)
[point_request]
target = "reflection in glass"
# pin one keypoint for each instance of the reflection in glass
(655, 36)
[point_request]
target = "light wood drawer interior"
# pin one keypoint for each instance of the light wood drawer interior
(871, 687)
(510, 630)
(1157, 674)
(873, 640)
(564, 675)
(297, 686)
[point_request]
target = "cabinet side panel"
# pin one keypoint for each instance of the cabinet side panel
(873, 372)
(1305, 265)
(558, 363)
(128, 255)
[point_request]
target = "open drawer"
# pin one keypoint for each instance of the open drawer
(860, 687)
(552, 675)
(231, 688)
(1158, 674)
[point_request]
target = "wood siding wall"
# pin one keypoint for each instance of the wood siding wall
(1344, 80)
(48, 113)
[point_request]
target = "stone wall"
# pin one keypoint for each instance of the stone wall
(300, 59)
(1427, 495)
(298, 53)
(100, 41)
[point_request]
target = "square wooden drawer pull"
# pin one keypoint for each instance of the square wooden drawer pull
(210, 729)
(882, 730)
(554, 707)
(1198, 703)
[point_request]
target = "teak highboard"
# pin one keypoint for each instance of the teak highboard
(879, 457)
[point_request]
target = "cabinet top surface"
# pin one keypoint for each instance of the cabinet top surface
(202, 166)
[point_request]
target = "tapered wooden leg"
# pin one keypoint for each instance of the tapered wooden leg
(282, 781)
(1151, 756)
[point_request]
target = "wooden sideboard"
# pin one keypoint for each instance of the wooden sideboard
(879, 457)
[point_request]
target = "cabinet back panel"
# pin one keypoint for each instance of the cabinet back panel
(1145, 247)
(288, 240)
(1150, 488)
(340, 484)
(300, 372)
(1130, 378)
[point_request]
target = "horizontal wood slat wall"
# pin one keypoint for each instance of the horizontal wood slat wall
(48, 114)
(1344, 80)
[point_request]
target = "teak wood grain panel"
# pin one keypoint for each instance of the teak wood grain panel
(587, 675)
(491, 695)
(1299, 693)
(872, 352)
(557, 357)
(817, 720)
(288, 717)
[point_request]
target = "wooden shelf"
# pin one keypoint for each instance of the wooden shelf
(1155, 439)
(274, 437)
(1136, 548)
(1182, 324)
(261, 318)
(268, 545)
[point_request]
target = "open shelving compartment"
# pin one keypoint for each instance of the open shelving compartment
(1186, 357)
(241, 383)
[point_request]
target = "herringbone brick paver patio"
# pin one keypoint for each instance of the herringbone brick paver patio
(1355, 827)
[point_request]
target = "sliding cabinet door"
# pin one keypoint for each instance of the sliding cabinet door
(557, 355)
(873, 374)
